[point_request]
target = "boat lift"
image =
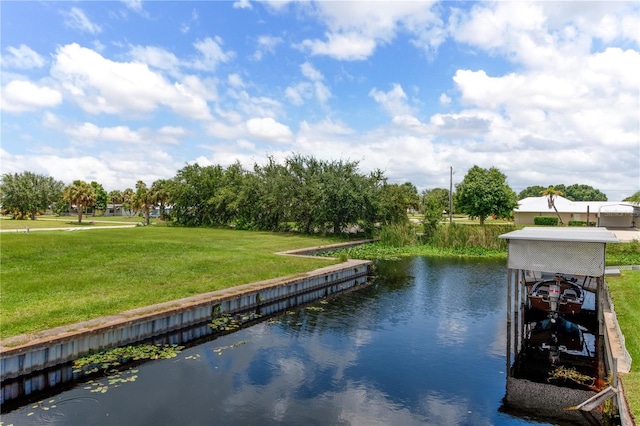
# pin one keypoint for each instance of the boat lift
(534, 252)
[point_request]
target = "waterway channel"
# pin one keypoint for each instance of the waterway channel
(423, 344)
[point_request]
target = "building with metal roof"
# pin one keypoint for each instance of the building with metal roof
(617, 214)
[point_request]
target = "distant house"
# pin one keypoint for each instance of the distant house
(614, 214)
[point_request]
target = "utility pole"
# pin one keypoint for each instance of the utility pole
(450, 194)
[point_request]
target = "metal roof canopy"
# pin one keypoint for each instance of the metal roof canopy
(579, 251)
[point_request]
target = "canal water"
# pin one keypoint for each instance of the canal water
(423, 345)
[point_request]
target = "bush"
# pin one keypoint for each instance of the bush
(455, 235)
(545, 220)
(580, 223)
(397, 235)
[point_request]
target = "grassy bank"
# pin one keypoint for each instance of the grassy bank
(625, 292)
(55, 278)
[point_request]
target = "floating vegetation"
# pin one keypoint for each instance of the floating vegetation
(562, 373)
(223, 348)
(110, 358)
(315, 308)
(226, 322)
(114, 380)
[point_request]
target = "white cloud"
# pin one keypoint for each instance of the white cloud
(22, 57)
(21, 95)
(135, 5)
(444, 99)
(75, 18)
(156, 57)
(100, 85)
(269, 129)
(393, 101)
(299, 92)
(349, 47)
(266, 44)
(355, 31)
(242, 4)
(211, 54)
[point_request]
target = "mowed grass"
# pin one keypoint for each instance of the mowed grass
(49, 279)
(625, 293)
(66, 222)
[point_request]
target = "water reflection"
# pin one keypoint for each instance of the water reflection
(422, 345)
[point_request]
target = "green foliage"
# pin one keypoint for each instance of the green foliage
(81, 194)
(454, 235)
(531, 191)
(116, 356)
(432, 198)
(580, 223)
(575, 192)
(545, 221)
(101, 196)
(397, 235)
(625, 293)
(635, 198)
(483, 193)
(304, 193)
(28, 194)
(624, 253)
(432, 214)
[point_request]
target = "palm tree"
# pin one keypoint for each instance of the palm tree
(127, 197)
(81, 194)
(142, 199)
(115, 197)
(160, 194)
(551, 193)
(635, 198)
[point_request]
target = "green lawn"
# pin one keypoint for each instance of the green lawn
(56, 278)
(625, 292)
(67, 222)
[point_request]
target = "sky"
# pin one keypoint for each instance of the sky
(120, 91)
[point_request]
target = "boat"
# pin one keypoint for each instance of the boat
(556, 296)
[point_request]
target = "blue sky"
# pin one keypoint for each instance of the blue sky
(548, 92)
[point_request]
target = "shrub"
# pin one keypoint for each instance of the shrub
(397, 235)
(580, 223)
(545, 220)
(455, 235)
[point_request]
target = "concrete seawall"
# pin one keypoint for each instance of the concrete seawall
(28, 354)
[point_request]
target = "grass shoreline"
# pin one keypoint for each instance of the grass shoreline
(51, 279)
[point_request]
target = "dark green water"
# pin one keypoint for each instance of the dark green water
(424, 345)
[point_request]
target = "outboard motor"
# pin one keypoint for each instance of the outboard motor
(554, 296)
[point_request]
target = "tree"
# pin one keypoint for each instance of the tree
(436, 196)
(578, 192)
(143, 199)
(551, 193)
(115, 197)
(127, 200)
(432, 214)
(28, 193)
(635, 198)
(530, 191)
(101, 197)
(575, 192)
(81, 194)
(160, 194)
(483, 193)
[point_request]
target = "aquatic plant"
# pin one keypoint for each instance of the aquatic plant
(570, 374)
(226, 322)
(114, 357)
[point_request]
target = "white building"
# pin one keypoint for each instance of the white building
(614, 214)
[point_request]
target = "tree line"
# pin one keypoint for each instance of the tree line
(302, 192)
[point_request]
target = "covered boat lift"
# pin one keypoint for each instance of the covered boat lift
(532, 253)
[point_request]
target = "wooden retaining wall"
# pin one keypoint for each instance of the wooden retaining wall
(24, 355)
